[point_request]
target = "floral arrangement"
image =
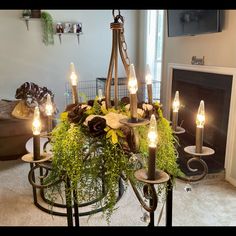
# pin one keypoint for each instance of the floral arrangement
(31, 95)
(94, 149)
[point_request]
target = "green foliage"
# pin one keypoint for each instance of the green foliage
(166, 150)
(88, 162)
(47, 23)
(95, 164)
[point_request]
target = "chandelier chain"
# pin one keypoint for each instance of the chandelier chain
(124, 47)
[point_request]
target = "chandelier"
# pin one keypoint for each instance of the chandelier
(148, 176)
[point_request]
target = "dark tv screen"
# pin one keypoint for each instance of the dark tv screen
(193, 22)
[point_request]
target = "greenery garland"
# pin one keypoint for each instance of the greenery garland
(94, 155)
(47, 22)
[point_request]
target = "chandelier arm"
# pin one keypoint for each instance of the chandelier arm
(115, 36)
(200, 177)
(153, 196)
(126, 65)
(33, 182)
(109, 78)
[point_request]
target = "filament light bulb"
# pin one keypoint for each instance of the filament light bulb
(200, 121)
(152, 132)
(49, 106)
(36, 125)
(132, 83)
(73, 75)
(176, 103)
(148, 76)
(100, 96)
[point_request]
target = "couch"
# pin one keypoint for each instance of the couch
(14, 132)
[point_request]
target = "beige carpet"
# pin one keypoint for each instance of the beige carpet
(210, 203)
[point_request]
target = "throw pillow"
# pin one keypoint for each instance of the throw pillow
(6, 108)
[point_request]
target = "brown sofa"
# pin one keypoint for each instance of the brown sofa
(14, 134)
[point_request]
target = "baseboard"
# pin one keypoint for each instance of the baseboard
(231, 180)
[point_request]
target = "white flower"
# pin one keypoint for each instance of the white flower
(113, 119)
(127, 107)
(85, 105)
(140, 112)
(147, 107)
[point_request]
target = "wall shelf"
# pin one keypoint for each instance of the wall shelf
(68, 28)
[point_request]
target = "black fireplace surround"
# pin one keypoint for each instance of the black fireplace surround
(215, 90)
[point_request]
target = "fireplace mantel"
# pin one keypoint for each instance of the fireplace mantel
(230, 156)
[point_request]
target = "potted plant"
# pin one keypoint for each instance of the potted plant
(36, 13)
(47, 23)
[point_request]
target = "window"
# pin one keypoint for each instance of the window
(154, 48)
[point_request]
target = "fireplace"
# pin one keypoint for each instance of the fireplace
(215, 90)
(216, 86)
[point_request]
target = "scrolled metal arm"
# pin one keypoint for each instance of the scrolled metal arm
(31, 177)
(204, 173)
(152, 195)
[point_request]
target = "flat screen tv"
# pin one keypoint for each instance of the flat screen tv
(193, 22)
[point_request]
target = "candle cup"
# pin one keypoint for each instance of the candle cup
(199, 139)
(149, 90)
(174, 120)
(75, 99)
(152, 163)
(133, 107)
(36, 143)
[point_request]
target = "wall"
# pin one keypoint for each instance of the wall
(219, 49)
(23, 56)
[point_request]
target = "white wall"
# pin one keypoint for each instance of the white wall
(23, 56)
(219, 49)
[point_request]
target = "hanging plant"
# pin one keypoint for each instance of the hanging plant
(91, 147)
(47, 23)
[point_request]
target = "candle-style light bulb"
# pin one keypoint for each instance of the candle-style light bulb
(148, 78)
(49, 106)
(152, 143)
(100, 95)
(73, 75)
(200, 121)
(132, 83)
(49, 112)
(176, 103)
(133, 88)
(36, 125)
(152, 132)
(36, 128)
(74, 82)
(175, 107)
